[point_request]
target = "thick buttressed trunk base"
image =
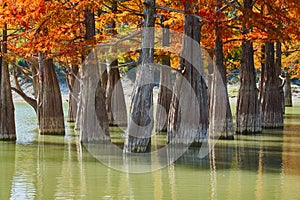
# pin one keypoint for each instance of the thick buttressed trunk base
(138, 139)
(220, 117)
(270, 95)
(49, 110)
(188, 115)
(94, 121)
(163, 100)
(220, 124)
(115, 100)
(248, 119)
(7, 117)
(165, 88)
(141, 122)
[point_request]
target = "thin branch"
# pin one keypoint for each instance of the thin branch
(121, 40)
(224, 7)
(253, 3)
(18, 67)
(28, 99)
(180, 11)
(169, 9)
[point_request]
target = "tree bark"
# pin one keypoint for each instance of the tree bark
(270, 96)
(288, 91)
(221, 125)
(165, 85)
(115, 99)
(34, 66)
(278, 65)
(248, 119)
(188, 115)
(74, 88)
(138, 137)
(94, 126)
(49, 110)
(7, 117)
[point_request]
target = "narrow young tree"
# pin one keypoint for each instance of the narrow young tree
(248, 119)
(270, 96)
(165, 85)
(188, 115)
(221, 125)
(49, 103)
(138, 138)
(7, 117)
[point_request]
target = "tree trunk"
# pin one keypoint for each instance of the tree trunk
(74, 88)
(94, 120)
(34, 66)
(288, 91)
(7, 117)
(248, 119)
(79, 103)
(115, 99)
(138, 138)
(270, 96)
(188, 115)
(165, 85)
(278, 65)
(49, 109)
(221, 125)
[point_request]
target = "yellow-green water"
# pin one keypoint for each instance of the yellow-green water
(265, 166)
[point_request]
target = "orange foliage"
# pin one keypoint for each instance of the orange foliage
(56, 27)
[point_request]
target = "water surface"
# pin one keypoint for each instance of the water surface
(265, 166)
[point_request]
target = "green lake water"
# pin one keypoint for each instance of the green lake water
(265, 166)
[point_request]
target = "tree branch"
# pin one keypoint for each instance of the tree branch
(28, 99)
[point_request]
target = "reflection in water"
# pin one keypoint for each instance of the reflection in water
(23, 183)
(265, 166)
(7, 166)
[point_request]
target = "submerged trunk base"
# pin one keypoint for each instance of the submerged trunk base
(7, 137)
(137, 145)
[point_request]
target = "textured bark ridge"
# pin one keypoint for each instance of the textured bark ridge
(115, 100)
(165, 88)
(288, 91)
(270, 95)
(94, 121)
(188, 115)
(92, 111)
(248, 119)
(220, 124)
(74, 88)
(7, 117)
(140, 125)
(49, 109)
(281, 80)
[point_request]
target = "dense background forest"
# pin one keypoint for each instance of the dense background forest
(257, 40)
